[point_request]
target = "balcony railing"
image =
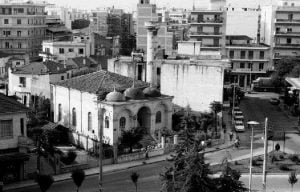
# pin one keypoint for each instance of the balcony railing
(287, 20)
(287, 45)
(287, 33)
(205, 33)
(207, 21)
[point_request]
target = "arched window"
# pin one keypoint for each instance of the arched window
(90, 124)
(59, 112)
(158, 117)
(74, 117)
(122, 123)
(106, 122)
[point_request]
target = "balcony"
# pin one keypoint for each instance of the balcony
(201, 33)
(207, 21)
(288, 21)
(287, 45)
(247, 70)
(287, 33)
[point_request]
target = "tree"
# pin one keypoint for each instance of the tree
(277, 147)
(45, 182)
(292, 180)
(229, 179)
(132, 137)
(134, 178)
(216, 107)
(78, 177)
(80, 24)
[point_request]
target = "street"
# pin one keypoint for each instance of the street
(148, 181)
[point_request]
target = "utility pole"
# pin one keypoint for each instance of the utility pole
(265, 156)
(100, 133)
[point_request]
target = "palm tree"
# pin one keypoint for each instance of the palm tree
(45, 182)
(78, 177)
(293, 179)
(134, 178)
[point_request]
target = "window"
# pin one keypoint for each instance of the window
(19, 22)
(61, 50)
(250, 65)
(22, 81)
(7, 45)
(231, 54)
(59, 112)
(291, 16)
(242, 65)
(288, 40)
(6, 21)
(122, 123)
(22, 126)
(47, 50)
(19, 33)
(261, 54)
(6, 128)
(62, 78)
(243, 54)
(250, 54)
(19, 45)
(261, 66)
(158, 117)
(90, 123)
(71, 50)
(106, 122)
(289, 30)
(6, 33)
(80, 51)
(74, 117)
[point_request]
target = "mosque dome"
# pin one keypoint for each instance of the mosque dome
(151, 92)
(134, 93)
(115, 97)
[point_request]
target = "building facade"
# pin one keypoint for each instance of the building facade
(209, 27)
(22, 28)
(13, 134)
(248, 60)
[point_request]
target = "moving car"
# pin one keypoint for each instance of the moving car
(239, 126)
(274, 101)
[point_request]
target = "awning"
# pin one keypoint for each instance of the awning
(294, 82)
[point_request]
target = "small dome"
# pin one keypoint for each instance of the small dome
(134, 93)
(151, 92)
(115, 97)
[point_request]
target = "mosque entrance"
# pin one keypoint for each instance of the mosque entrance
(144, 119)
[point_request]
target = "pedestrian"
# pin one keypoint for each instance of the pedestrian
(146, 154)
(230, 136)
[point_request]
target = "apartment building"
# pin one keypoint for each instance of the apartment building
(281, 28)
(248, 60)
(22, 28)
(209, 27)
(99, 22)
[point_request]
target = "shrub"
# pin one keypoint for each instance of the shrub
(273, 158)
(294, 158)
(254, 163)
(69, 158)
(281, 156)
(284, 167)
(259, 159)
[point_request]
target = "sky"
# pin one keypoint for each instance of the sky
(124, 4)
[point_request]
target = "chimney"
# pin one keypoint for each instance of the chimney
(152, 29)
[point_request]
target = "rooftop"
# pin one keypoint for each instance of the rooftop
(101, 83)
(40, 68)
(10, 105)
(78, 62)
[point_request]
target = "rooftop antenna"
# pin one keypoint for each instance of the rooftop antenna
(193, 5)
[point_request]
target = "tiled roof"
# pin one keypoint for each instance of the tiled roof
(37, 68)
(9, 105)
(101, 83)
(78, 62)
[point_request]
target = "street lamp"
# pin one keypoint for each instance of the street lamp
(251, 123)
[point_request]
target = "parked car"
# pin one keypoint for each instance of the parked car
(238, 118)
(239, 126)
(274, 101)
(238, 113)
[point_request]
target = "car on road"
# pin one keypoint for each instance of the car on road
(238, 113)
(274, 101)
(239, 126)
(238, 118)
(236, 109)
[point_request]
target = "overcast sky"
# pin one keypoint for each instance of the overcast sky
(125, 4)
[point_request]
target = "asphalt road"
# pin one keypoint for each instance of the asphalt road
(256, 107)
(120, 181)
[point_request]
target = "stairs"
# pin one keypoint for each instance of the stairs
(148, 140)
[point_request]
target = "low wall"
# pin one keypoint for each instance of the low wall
(70, 168)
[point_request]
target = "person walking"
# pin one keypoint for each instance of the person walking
(230, 136)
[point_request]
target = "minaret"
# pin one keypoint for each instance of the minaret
(152, 29)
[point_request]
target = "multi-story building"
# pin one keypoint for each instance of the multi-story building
(281, 28)
(209, 27)
(248, 60)
(22, 28)
(63, 50)
(99, 22)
